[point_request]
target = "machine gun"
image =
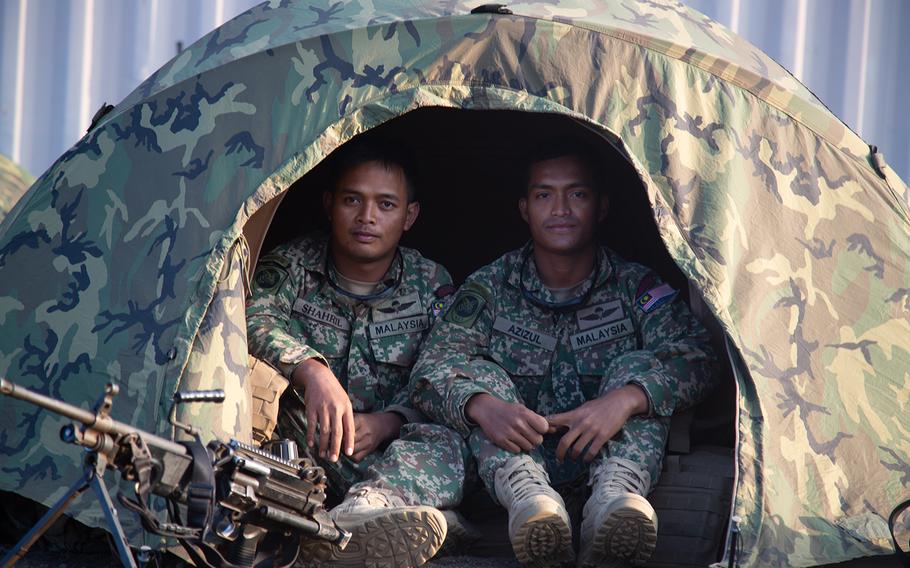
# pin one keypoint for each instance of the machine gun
(244, 506)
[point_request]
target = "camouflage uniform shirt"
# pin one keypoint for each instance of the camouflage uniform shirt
(629, 328)
(296, 313)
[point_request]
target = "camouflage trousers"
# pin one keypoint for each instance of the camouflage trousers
(641, 440)
(428, 464)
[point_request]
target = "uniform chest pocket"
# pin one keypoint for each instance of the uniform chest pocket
(520, 357)
(595, 349)
(592, 362)
(396, 341)
(322, 328)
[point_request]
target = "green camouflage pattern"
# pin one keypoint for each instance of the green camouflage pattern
(218, 357)
(295, 313)
(428, 464)
(494, 340)
(796, 233)
(642, 440)
(14, 181)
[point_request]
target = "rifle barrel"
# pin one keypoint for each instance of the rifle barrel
(105, 424)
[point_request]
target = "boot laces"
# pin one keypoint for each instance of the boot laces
(616, 476)
(526, 478)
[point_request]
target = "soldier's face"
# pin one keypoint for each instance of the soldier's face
(369, 211)
(561, 207)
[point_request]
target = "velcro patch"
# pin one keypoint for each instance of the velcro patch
(655, 297)
(525, 334)
(602, 334)
(386, 328)
(466, 307)
(319, 314)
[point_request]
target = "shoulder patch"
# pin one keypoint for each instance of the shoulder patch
(465, 308)
(270, 277)
(646, 284)
(655, 297)
(444, 291)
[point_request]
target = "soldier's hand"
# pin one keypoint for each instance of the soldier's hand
(374, 429)
(596, 421)
(511, 426)
(328, 405)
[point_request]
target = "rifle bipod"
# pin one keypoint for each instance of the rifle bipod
(93, 477)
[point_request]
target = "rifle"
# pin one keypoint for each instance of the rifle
(245, 506)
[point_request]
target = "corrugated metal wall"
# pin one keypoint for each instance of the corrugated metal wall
(60, 59)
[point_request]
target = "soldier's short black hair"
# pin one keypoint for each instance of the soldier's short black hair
(560, 147)
(387, 153)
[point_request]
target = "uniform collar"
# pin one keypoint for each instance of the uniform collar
(315, 262)
(320, 263)
(532, 283)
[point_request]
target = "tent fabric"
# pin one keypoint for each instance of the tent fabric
(14, 181)
(218, 358)
(795, 232)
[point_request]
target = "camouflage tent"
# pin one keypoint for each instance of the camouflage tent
(125, 259)
(13, 183)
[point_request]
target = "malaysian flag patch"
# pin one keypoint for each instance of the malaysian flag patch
(655, 297)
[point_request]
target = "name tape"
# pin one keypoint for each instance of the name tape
(602, 334)
(313, 311)
(399, 326)
(525, 334)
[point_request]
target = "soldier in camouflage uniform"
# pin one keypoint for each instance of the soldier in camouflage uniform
(343, 317)
(560, 360)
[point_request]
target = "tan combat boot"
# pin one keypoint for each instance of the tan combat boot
(385, 533)
(539, 525)
(618, 526)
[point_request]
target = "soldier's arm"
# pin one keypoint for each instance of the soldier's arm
(269, 335)
(453, 358)
(675, 364)
(269, 314)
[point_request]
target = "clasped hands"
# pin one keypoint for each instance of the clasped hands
(515, 428)
(328, 405)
